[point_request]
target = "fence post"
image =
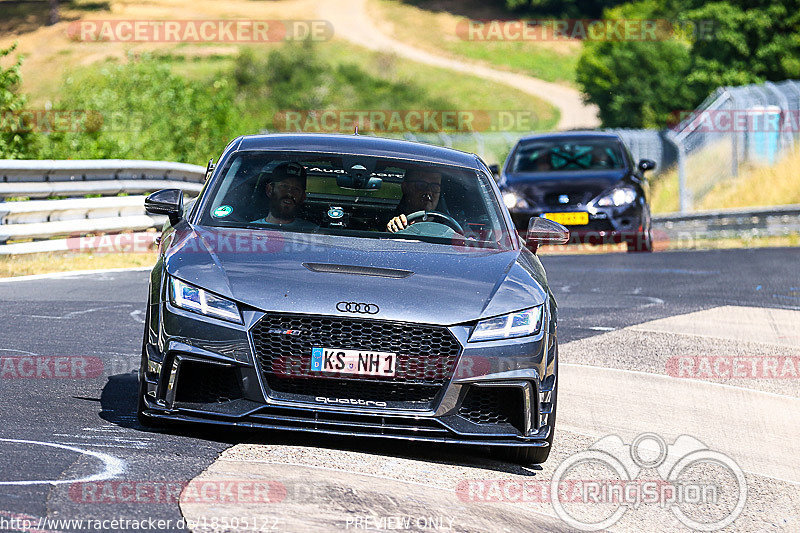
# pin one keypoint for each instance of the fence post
(683, 193)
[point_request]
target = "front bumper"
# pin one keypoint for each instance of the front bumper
(199, 369)
(606, 225)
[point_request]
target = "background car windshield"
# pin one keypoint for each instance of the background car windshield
(565, 155)
(335, 205)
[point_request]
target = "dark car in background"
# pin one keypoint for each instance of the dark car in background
(586, 181)
(444, 331)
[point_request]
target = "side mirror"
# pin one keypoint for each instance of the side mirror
(646, 164)
(495, 169)
(165, 202)
(544, 231)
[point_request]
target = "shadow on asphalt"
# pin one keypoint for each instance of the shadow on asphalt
(118, 406)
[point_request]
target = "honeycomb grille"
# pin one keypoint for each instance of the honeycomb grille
(493, 405)
(426, 356)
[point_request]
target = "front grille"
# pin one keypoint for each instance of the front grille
(493, 405)
(426, 357)
(207, 383)
(574, 199)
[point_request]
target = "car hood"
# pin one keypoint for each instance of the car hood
(581, 187)
(291, 272)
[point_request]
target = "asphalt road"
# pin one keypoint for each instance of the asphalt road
(70, 349)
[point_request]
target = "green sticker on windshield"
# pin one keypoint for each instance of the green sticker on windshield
(222, 211)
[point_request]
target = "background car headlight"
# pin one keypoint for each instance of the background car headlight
(519, 324)
(617, 197)
(195, 299)
(512, 200)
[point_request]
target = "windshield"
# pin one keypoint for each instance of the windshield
(357, 196)
(566, 155)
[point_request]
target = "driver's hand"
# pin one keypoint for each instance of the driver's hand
(397, 223)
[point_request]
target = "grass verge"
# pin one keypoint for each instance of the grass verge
(46, 263)
(756, 186)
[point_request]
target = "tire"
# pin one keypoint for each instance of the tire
(642, 243)
(532, 454)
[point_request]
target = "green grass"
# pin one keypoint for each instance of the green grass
(437, 31)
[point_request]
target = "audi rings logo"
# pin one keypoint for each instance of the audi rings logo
(356, 307)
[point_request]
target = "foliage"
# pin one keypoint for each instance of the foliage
(143, 110)
(562, 8)
(15, 142)
(736, 42)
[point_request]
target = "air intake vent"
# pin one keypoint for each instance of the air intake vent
(358, 270)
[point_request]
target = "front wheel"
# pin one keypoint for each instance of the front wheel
(643, 242)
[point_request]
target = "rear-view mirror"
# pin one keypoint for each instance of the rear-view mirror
(358, 178)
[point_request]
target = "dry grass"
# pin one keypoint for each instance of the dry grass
(24, 265)
(50, 54)
(756, 186)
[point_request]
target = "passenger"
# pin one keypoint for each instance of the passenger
(286, 190)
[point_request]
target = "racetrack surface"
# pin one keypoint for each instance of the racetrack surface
(621, 318)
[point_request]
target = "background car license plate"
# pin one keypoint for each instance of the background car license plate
(569, 219)
(356, 362)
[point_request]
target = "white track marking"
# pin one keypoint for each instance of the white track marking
(82, 312)
(137, 316)
(17, 351)
(71, 273)
(112, 466)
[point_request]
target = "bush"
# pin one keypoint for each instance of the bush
(144, 111)
(15, 141)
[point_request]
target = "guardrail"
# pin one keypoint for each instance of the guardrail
(41, 222)
(728, 223)
(44, 221)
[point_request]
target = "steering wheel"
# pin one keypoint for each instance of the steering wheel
(439, 218)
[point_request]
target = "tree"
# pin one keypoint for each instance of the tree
(641, 84)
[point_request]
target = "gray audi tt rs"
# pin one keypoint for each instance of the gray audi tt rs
(352, 285)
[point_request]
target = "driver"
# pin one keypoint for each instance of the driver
(421, 189)
(286, 191)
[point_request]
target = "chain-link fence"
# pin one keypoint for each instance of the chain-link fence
(753, 124)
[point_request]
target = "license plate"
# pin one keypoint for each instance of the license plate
(355, 362)
(568, 219)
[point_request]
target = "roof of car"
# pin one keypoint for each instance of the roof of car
(572, 135)
(358, 145)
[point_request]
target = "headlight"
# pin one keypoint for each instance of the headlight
(198, 300)
(519, 324)
(617, 197)
(512, 200)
